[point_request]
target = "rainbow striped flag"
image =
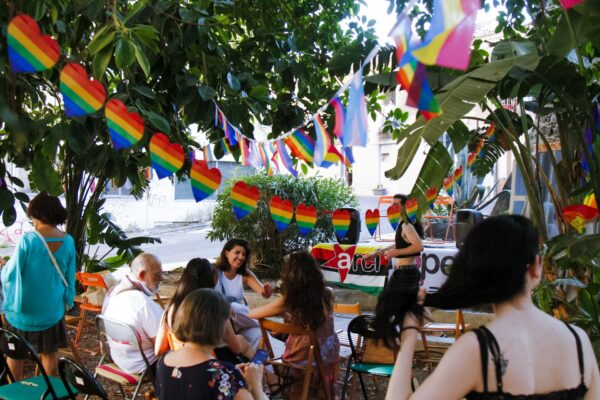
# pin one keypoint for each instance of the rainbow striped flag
(285, 158)
(448, 40)
(244, 152)
(340, 115)
(208, 156)
(333, 156)
(349, 159)
(225, 146)
(301, 145)
(355, 128)
(489, 133)
(323, 143)
(420, 94)
(265, 159)
(28, 50)
(232, 134)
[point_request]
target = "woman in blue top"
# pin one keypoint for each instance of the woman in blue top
(35, 293)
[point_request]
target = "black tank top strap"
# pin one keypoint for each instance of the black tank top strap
(496, 356)
(483, 349)
(579, 350)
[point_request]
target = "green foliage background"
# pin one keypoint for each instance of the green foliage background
(268, 244)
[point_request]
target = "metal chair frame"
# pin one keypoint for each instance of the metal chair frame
(74, 374)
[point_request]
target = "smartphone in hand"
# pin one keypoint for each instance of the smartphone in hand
(260, 357)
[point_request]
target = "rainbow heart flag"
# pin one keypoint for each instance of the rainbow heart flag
(411, 207)
(372, 220)
(471, 159)
(167, 158)
(432, 195)
(306, 218)
(393, 215)
(489, 133)
(448, 185)
(579, 215)
(28, 50)
(282, 212)
(590, 200)
(81, 95)
(125, 128)
(244, 199)
(341, 222)
(458, 174)
(204, 180)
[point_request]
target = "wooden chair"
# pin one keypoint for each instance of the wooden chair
(161, 301)
(88, 280)
(443, 201)
(349, 309)
(435, 331)
(314, 354)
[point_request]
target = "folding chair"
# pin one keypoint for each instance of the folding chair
(350, 309)
(88, 280)
(314, 354)
(74, 374)
(37, 387)
(122, 333)
(443, 201)
(360, 336)
(434, 352)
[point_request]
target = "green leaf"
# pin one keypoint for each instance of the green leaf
(144, 91)
(159, 122)
(100, 62)
(142, 60)
(44, 176)
(405, 156)
(259, 92)
(435, 168)
(22, 197)
(7, 199)
(233, 82)
(507, 49)
(124, 53)
(207, 92)
(147, 35)
(459, 135)
(9, 216)
(101, 40)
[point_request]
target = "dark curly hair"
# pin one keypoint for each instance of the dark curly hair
(222, 262)
(305, 296)
(198, 274)
(47, 209)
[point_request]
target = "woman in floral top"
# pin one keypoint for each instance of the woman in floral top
(192, 372)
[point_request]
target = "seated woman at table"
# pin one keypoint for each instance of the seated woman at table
(523, 353)
(408, 244)
(306, 301)
(192, 372)
(231, 275)
(198, 274)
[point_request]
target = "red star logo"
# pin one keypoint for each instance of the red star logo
(342, 260)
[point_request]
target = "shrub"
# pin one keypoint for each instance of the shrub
(268, 244)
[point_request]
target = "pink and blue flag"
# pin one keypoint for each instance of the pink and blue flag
(254, 159)
(340, 115)
(285, 158)
(244, 152)
(323, 142)
(354, 132)
(231, 134)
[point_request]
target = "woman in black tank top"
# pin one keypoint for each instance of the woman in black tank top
(523, 353)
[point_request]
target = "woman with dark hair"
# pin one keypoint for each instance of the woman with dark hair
(408, 244)
(39, 281)
(523, 353)
(306, 301)
(231, 275)
(198, 274)
(192, 372)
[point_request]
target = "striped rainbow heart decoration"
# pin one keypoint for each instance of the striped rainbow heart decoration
(458, 175)
(306, 218)
(282, 212)
(204, 180)
(393, 215)
(28, 50)
(471, 159)
(244, 199)
(167, 158)
(411, 207)
(372, 220)
(432, 195)
(341, 222)
(449, 184)
(81, 95)
(125, 128)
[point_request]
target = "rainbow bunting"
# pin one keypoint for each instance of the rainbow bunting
(458, 174)
(411, 207)
(337, 105)
(282, 212)
(579, 215)
(28, 50)
(265, 159)
(231, 134)
(208, 156)
(274, 156)
(125, 128)
(341, 222)
(349, 159)
(204, 180)
(254, 156)
(372, 220)
(323, 143)
(590, 200)
(225, 146)
(244, 152)
(244, 199)
(489, 133)
(306, 218)
(301, 145)
(449, 184)
(285, 158)
(333, 156)
(167, 158)
(432, 195)
(81, 95)
(420, 94)
(354, 132)
(478, 147)
(471, 159)
(448, 40)
(393, 215)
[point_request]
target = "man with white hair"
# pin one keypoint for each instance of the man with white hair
(131, 302)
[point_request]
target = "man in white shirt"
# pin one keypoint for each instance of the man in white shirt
(131, 302)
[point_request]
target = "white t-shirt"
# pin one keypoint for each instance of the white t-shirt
(135, 308)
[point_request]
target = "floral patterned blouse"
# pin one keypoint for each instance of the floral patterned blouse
(210, 380)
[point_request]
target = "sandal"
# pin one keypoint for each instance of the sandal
(283, 383)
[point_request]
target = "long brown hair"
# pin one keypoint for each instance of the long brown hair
(305, 296)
